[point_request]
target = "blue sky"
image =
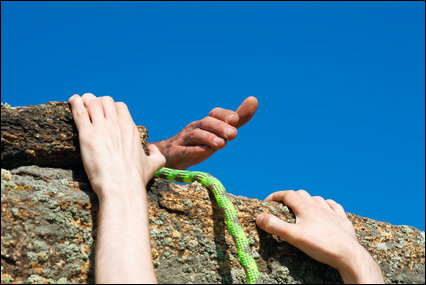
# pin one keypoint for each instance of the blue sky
(340, 86)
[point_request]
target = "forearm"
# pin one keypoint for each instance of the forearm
(123, 250)
(359, 267)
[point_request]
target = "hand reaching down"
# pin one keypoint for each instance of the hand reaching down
(200, 139)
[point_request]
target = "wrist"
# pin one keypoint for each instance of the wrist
(358, 267)
(124, 195)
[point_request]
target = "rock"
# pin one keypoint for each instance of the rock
(48, 233)
(43, 135)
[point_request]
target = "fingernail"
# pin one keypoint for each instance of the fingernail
(229, 132)
(260, 218)
(218, 141)
(231, 118)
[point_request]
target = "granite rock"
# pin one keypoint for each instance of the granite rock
(48, 232)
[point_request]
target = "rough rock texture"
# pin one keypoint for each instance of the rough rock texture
(43, 135)
(48, 234)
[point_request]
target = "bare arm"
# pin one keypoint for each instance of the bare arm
(118, 170)
(323, 232)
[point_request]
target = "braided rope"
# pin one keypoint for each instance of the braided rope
(231, 216)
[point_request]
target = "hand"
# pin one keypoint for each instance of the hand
(110, 145)
(118, 170)
(323, 232)
(200, 139)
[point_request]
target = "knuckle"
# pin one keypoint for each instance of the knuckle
(193, 125)
(107, 99)
(192, 135)
(88, 95)
(318, 198)
(121, 105)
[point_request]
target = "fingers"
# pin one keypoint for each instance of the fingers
(274, 225)
(224, 115)
(202, 137)
(335, 206)
(290, 198)
(321, 202)
(108, 106)
(218, 127)
(246, 110)
(93, 107)
(156, 159)
(123, 113)
(79, 113)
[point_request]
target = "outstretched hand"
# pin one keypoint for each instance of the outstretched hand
(323, 232)
(200, 139)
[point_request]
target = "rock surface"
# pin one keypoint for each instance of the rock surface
(48, 234)
(43, 135)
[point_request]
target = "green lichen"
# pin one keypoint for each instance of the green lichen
(5, 175)
(167, 254)
(381, 246)
(32, 256)
(188, 203)
(65, 182)
(186, 268)
(53, 190)
(39, 188)
(73, 253)
(62, 280)
(406, 229)
(6, 279)
(57, 218)
(15, 212)
(7, 184)
(41, 197)
(39, 245)
(43, 257)
(52, 204)
(162, 216)
(272, 209)
(285, 209)
(35, 279)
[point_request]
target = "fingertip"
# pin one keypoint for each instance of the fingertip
(259, 219)
(253, 100)
(156, 156)
(219, 142)
(153, 148)
(269, 198)
(73, 97)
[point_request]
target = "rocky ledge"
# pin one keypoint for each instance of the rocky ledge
(48, 220)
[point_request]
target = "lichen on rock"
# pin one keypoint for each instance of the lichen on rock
(48, 228)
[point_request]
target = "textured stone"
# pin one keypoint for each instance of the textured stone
(43, 135)
(48, 234)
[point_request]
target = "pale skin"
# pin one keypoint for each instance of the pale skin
(109, 143)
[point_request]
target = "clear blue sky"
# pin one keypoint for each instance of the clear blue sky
(341, 86)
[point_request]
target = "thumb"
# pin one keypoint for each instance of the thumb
(156, 159)
(274, 225)
(246, 110)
